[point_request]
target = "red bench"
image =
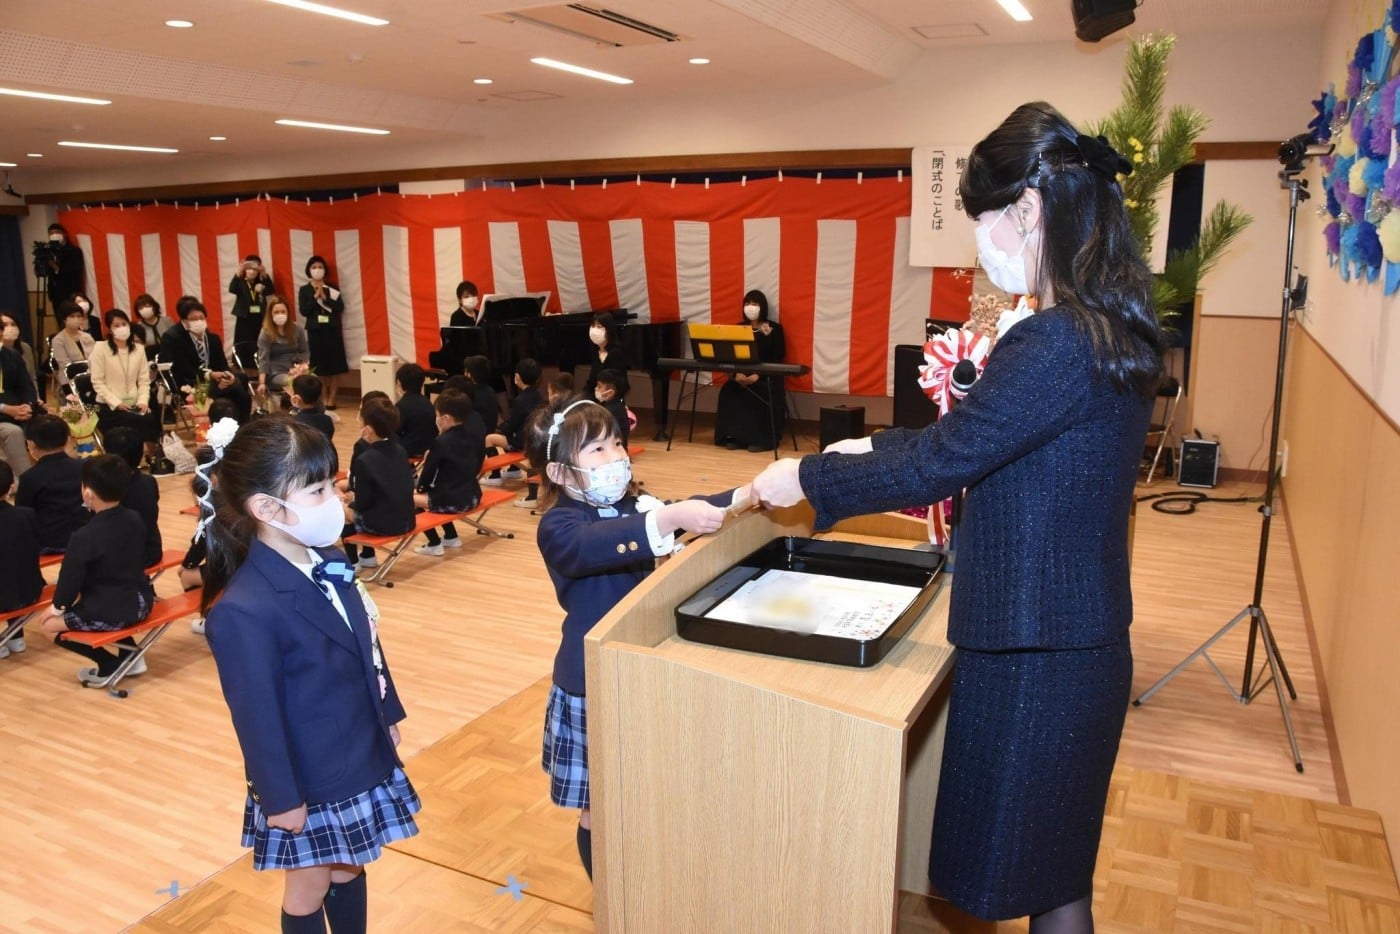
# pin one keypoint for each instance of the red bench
(397, 545)
(163, 613)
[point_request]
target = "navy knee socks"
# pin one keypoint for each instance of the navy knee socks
(585, 850)
(347, 906)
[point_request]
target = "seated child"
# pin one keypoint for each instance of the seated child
(380, 488)
(306, 400)
(611, 393)
(53, 486)
(447, 483)
(143, 495)
(417, 420)
(21, 582)
(102, 584)
(511, 436)
(560, 386)
(224, 408)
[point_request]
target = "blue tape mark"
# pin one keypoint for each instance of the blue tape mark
(513, 887)
(173, 891)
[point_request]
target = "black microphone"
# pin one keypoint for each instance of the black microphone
(964, 375)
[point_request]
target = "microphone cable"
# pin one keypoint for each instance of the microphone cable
(1183, 503)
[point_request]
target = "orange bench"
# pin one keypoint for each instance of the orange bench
(163, 613)
(397, 545)
(501, 461)
(14, 620)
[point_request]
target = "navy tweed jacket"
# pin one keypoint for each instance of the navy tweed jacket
(1049, 455)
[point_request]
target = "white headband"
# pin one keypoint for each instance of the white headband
(559, 420)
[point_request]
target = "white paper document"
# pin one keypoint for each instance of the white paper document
(815, 604)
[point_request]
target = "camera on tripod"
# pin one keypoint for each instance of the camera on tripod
(45, 255)
(1293, 152)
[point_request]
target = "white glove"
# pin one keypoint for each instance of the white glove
(849, 446)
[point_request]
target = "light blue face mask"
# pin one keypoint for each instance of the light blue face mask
(607, 483)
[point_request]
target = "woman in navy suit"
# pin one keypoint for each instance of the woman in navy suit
(296, 643)
(1047, 445)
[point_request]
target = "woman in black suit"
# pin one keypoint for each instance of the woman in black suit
(607, 353)
(1047, 445)
(743, 418)
(320, 306)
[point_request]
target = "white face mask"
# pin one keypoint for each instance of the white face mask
(1007, 273)
(197, 328)
(317, 526)
(83, 304)
(121, 333)
(606, 484)
(55, 238)
(279, 318)
(10, 334)
(751, 312)
(147, 313)
(598, 336)
(318, 273)
(469, 302)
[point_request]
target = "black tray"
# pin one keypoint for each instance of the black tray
(848, 560)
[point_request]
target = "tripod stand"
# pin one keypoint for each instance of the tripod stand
(1254, 684)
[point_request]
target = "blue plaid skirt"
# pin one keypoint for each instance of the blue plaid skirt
(565, 756)
(77, 623)
(349, 833)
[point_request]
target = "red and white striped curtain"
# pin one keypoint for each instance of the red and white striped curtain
(831, 256)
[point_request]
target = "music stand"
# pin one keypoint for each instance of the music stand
(723, 343)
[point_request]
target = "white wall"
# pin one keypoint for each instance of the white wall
(954, 94)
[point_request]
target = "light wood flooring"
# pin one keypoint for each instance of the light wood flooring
(111, 800)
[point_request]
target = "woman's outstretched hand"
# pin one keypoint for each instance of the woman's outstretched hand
(778, 485)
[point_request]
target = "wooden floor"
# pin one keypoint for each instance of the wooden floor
(132, 795)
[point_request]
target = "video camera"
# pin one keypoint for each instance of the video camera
(45, 254)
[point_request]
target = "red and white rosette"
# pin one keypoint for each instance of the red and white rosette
(942, 353)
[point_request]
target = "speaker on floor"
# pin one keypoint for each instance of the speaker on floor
(912, 408)
(841, 422)
(1199, 462)
(1094, 19)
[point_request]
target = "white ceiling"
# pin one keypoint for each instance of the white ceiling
(248, 62)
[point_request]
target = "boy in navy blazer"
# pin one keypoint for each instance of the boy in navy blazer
(21, 582)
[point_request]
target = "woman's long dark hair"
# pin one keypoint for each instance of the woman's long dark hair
(275, 455)
(1089, 258)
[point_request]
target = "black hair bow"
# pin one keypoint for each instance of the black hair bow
(1102, 158)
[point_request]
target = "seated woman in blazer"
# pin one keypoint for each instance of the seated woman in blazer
(121, 378)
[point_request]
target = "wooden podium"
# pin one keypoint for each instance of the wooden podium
(733, 791)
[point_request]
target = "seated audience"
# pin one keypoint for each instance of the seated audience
(447, 483)
(102, 584)
(21, 582)
(53, 487)
(19, 399)
(194, 352)
(611, 392)
(121, 378)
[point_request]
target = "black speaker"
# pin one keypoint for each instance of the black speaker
(1200, 462)
(1094, 19)
(912, 408)
(842, 422)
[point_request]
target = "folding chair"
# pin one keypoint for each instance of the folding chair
(1172, 391)
(173, 400)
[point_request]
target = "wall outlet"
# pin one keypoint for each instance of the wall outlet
(1283, 459)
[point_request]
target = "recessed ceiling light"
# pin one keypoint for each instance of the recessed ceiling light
(481, 81)
(35, 155)
(217, 139)
(699, 61)
(311, 125)
(77, 145)
(1016, 10)
(332, 11)
(64, 98)
(179, 23)
(580, 70)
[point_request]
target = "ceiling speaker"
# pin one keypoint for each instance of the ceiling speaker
(1094, 19)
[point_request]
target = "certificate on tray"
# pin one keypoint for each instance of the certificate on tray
(839, 602)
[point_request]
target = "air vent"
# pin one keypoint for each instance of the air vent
(591, 24)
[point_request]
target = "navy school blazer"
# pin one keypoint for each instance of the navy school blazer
(1049, 455)
(301, 686)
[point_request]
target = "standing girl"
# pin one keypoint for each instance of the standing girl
(319, 304)
(313, 703)
(598, 539)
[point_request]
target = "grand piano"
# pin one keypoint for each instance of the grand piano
(515, 327)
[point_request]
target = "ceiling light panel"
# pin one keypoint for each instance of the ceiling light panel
(121, 147)
(339, 128)
(337, 12)
(581, 71)
(46, 96)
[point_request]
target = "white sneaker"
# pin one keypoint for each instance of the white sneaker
(432, 551)
(492, 481)
(513, 473)
(526, 502)
(138, 669)
(16, 645)
(453, 542)
(368, 561)
(90, 676)
(197, 626)
(4, 652)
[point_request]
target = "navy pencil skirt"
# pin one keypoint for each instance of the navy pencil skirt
(1031, 741)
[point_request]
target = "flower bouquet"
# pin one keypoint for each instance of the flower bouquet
(197, 403)
(82, 426)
